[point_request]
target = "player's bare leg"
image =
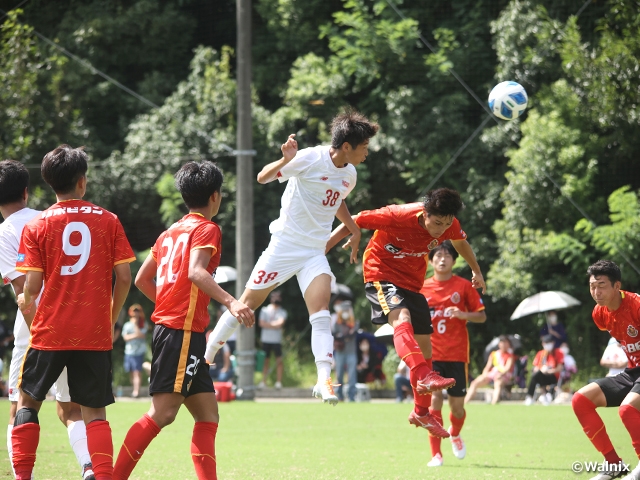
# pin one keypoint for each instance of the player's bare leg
(228, 324)
(70, 414)
(479, 381)
(204, 409)
(420, 372)
(317, 296)
(584, 403)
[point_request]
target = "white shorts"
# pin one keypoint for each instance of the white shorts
(282, 260)
(60, 389)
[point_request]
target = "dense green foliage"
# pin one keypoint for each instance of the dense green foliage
(522, 181)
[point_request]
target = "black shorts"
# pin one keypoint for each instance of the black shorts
(616, 388)
(385, 297)
(456, 370)
(276, 348)
(178, 364)
(88, 375)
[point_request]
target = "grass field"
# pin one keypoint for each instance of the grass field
(350, 441)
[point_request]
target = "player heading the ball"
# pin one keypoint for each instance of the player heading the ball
(182, 262)
(74, 246)
(618, 312)
(395, 263)
(319, 179)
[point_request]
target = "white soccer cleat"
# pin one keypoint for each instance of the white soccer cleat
(634, 474)
(458, 446)
(436, 461)
(260, 386)
(544, 399)
(278, 385)
(325, 391)
(528, 401)
(614, 473)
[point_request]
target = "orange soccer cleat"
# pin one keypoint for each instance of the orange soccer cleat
(433, 382)
(429, 422)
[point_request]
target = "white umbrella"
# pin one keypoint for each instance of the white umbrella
(225, 274)
(544, 302)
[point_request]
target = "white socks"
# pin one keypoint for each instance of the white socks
(10, 448)
(322, 343)
(224, 329)
(78, 439)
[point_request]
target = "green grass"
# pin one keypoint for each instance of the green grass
(350, 441)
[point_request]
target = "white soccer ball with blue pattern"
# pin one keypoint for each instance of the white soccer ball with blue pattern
(508, 100)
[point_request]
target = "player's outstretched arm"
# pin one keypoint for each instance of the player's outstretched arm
(145, 278)
(270, 171)
(354, 242)
(466, 252)
(198, 262)
(120, 289)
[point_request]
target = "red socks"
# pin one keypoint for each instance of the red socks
(435, 442)
(631, 418)
(100, 446)
(135, 443)
(456, 423)
(409, 351)
(593, 426)
(24, 440)
(203, 450)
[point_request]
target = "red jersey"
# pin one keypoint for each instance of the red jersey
(550, 359)
(398, 249)
(450, 339)
(180, 304)
(76, 245)
(623, 324)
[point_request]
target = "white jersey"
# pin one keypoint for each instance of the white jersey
(10, 233)
(313, 195)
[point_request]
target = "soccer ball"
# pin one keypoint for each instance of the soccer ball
(508, 100)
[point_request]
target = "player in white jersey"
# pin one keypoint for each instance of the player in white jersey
(14, 182)
(319, 179)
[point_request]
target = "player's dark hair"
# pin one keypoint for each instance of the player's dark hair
(196, 182)
(606, 268)
(505, 338)
(63, 167)
(446, 245)
(443, 202)
(14, 178)
(351, 127)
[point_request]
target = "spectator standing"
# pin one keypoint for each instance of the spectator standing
(345, 348)
(134, 334)
(614, 358)
(554, 328)
(271, 321)
(546, 369)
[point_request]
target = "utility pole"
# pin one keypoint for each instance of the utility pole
(245, 353)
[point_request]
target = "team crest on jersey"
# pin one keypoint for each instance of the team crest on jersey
(345, 183)
(455, 297)
(433, 244)
(324, 179)
(394, 300)
(632, 331)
